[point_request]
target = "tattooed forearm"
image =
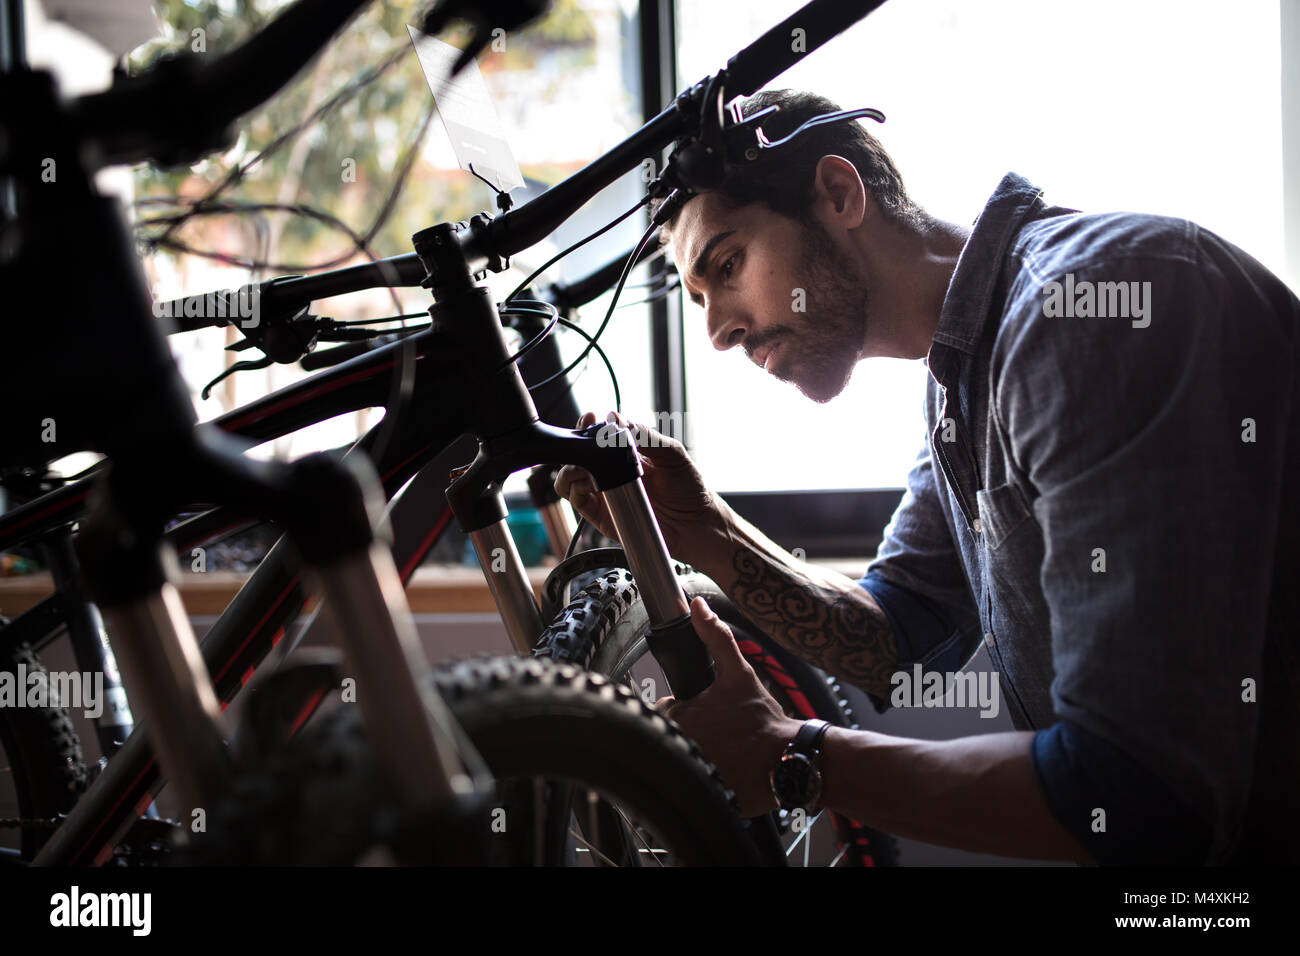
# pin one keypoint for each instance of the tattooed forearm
(832, 624)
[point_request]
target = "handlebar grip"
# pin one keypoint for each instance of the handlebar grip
(209, 310)
(685, 660)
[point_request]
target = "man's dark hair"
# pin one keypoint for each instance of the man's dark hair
(784, 180)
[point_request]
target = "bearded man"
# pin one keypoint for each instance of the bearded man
(1107, 497)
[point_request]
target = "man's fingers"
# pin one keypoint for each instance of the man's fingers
(570, 476)
(664, 704)
(575, 485)
(717, 637)
(651, 444)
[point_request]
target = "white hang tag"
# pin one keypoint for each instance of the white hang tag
(467, 113)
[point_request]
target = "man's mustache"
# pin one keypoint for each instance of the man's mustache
(759, 340)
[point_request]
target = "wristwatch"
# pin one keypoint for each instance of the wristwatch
(797, 778)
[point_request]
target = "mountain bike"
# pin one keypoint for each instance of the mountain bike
(462, 378)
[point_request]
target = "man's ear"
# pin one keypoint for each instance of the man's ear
(839, 198)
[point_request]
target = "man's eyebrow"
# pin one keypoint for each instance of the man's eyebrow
(697, 266)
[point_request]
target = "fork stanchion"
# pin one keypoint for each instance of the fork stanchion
(507, 579)
(366, 604)
(409, 726)
(129, 576)
(556, 516)
(162, 669)
(672, 639)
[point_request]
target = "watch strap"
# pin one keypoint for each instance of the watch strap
(808, 739)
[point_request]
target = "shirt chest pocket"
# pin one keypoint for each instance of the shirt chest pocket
(1001, 511)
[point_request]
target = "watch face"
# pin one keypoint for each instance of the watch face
(795, 781)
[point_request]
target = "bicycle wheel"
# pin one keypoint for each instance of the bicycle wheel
(604, 629)
(545, 731)
(43, 772)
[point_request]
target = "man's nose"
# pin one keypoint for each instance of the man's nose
(726, 330)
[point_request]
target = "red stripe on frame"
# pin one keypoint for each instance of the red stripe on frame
(308, 709)
(414, 561)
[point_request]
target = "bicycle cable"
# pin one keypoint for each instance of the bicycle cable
(583, 524)
(521, 307)
(577, 245)
(618, 289)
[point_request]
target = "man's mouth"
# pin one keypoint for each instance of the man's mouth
(763, 357)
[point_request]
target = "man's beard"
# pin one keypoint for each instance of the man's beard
(820, 346)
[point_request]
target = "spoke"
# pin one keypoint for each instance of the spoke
(591, 849)
(839, 856)
(637, 833)
(807, 827)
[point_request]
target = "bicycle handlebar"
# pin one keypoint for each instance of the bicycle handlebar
(153, 116)
(563, 296)
(774, 52)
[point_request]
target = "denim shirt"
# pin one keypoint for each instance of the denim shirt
(1111, 504)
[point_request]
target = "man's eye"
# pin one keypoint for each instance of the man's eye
(729, 266)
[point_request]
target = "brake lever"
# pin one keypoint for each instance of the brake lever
(699, 162)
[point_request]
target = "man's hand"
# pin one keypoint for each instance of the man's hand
(738, 725)
(684, 507)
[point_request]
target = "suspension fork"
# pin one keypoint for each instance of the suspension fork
(608, 453)
(672, 640)
(556, 516)
(499, 409)
(129, 573)
(504, 570)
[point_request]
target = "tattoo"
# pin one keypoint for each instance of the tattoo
(839, 631)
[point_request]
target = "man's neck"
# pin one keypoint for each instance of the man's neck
(924, 258)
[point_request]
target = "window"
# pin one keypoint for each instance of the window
(565, 91)
(1166, 106)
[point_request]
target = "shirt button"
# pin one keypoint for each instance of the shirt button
(988, 639)
(977, 526)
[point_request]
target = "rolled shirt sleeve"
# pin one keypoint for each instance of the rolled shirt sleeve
(1118, 810)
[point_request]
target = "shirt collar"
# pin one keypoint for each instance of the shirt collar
(969, 299)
